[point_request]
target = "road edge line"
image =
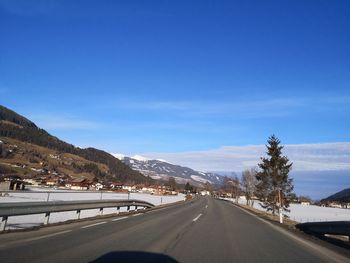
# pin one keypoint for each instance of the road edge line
(311, 245)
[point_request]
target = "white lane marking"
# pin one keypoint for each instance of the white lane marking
(49, 235)
(206, 206)
(119, 218)
(195, 219)
(136, 214)
(96, 224)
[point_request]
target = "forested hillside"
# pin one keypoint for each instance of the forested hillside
(15, 126)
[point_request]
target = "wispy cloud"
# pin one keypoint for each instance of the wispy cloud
(247, 108)
(306, 157)
(58, 122)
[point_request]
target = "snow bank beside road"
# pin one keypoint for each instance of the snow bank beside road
(19, 222)
(311, 213)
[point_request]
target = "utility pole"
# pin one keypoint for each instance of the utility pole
(280, 206)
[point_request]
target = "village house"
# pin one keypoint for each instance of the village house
(204, 192)
(335, 205)
(31, 181)
(79, 184)
(129, 188)
(52, 182)
(147, 189)
(116, 186)
(158, 190)
(12, 183)
(346, 205)
(96, 186)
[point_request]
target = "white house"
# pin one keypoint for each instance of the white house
(205, 192)
(97, 186)
(129, 188)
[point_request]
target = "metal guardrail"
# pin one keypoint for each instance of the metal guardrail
(54, 192)
(341, 228)
(30, 208)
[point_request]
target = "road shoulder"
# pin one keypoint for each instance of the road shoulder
(329, 250)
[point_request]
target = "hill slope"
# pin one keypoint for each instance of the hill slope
(15, 126)
(342, 196)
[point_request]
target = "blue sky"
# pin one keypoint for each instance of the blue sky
(169, 77)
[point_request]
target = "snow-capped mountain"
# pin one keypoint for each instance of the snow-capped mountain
(160, 169)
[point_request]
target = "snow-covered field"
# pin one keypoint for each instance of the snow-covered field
(312, 213)
(18, 222)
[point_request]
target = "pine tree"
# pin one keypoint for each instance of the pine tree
(188, 187)
(274, 188)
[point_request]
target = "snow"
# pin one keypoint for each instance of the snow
(156, 177)
(199, 179)
(139, 158)
(20, 222)
(118, 156)
(312, 213)
(162, 160)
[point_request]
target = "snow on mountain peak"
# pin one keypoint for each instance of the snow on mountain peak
(119, 156)
(139, 158)
(162, 160)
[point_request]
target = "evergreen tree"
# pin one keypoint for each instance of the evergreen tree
(274, 186)
(188, 187)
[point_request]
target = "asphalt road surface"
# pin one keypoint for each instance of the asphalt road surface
(203, 230)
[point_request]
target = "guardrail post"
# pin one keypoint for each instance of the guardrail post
(128, 208)
(48, 196)
(47, 217)
(101, 211)
(135, 207)
(78, 214)
(118, 210)
(3, 223)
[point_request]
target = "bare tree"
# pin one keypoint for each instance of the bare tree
(231, 185)
(172, 183)
(248, 182)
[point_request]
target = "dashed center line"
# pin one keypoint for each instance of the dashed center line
(195, 219)
(49, 235)
(119, 218)
(96, 224)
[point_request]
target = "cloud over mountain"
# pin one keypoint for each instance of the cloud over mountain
(306, 157)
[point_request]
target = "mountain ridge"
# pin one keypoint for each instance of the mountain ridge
(341, 196)
(161, 169)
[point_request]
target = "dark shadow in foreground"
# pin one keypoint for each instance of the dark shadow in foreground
(308, 228)
(134, 256)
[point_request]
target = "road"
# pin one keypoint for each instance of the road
(203, 230)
